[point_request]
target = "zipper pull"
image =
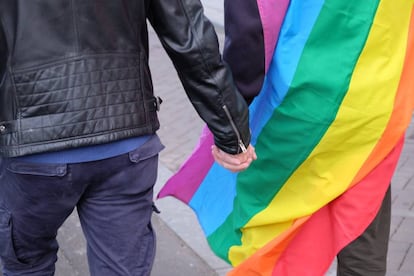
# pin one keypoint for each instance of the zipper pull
(236, 131)
(242, 146)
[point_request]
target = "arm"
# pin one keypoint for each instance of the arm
(244, 46)
(191, 42)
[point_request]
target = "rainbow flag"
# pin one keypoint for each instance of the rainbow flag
(328, 127)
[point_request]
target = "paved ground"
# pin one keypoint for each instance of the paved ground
(181, 249)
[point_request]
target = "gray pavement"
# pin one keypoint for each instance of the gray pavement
(181, 247)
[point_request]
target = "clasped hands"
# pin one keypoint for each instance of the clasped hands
(234, 162)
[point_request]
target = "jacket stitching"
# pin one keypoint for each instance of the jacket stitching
(86, 121)
(76, 86)
(77, 57)
(85, 97)
(75, 26)
(75, 74)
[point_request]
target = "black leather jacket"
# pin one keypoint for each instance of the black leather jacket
(75, 73)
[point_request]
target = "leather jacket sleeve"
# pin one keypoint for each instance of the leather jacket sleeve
(191, 42)
(3, 54)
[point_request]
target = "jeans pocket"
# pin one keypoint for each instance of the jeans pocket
(38, 169)
(38, 180)
(146, 251)
(7, 250)
(149, 149)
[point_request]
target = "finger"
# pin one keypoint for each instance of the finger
(234, 168)
(252, 151)
(226, 158)
(234, 163)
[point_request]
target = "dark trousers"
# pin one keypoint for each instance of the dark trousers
(367, 255)
(114, 200)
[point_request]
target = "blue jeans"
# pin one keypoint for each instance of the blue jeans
(114, 200)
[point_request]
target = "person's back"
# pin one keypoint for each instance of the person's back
(78, 71)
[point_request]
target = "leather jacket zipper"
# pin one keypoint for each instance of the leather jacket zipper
(233, 125)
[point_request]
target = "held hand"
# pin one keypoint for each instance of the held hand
(236, 162)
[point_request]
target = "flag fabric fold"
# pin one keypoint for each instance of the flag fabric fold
(328, 128)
